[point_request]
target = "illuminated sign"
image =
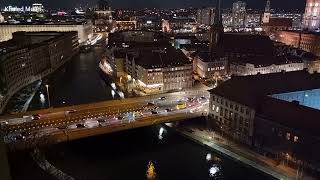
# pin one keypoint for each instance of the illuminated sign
(34, 8)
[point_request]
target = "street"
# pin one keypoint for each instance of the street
(132, 111)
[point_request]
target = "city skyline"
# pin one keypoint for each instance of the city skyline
(294, 4)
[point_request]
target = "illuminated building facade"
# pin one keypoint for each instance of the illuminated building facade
(205, 16)
(312, 15)
(1, 18)
(238, 14)
(307, 41)
(126, 25)
(267, 13)
(180, 25)
(160, 69)
(103, 20)
(252, 20)
(30, 56)
(84, 29)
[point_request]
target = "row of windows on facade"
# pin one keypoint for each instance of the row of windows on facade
(230, 115)
(288, 136)
(239, 128)
(216, 69)
(231, 105)
(175, 80)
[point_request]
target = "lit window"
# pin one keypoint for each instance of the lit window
(296, 139)
(213, 107)
(217, 110)
(288, 136)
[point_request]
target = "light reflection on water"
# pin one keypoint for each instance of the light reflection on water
(213, 171)
(151, 171)
(161, 133)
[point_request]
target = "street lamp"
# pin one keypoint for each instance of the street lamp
(47, 86)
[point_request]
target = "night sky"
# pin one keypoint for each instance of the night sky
(282, 4)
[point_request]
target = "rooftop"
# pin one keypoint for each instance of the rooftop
(254, 91)
(284, 22)
(247, 43)
(291, 115)
(250, 89)
(263, 61)
(22, 40)
(166, 57)
(45, 23)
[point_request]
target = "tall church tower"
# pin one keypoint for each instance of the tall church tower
(216, 31)
(267, 13)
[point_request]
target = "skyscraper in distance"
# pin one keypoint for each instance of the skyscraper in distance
(238, 14)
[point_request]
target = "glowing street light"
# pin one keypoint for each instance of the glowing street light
(47, 86)
(42, 98)
(208, 157)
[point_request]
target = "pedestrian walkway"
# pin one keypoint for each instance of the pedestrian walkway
(243, 154)
(39, 158)
(35, 90)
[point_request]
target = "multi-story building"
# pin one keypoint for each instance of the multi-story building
(30, 56)
(180, 25)
(209, 68)
(228, 55)
(126, 25)
(276, 113)
(217, 64)
(276, 24)
(131, 38)
(296, 18)
(307, 41)
(103, 16)
(84, 29)
(252, 19)
(160, 69)
(205, 16)
(245, 66)
(1, 18)
(311, 18)
(238, 14)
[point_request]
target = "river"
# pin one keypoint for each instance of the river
(122, 155)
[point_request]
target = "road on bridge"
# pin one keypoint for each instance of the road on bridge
(70, 123)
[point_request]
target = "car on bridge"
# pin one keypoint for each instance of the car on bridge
(3, 123)
(36, 117)
(80, 126)
(182, 105)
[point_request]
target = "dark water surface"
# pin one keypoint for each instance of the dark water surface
(123, 155)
